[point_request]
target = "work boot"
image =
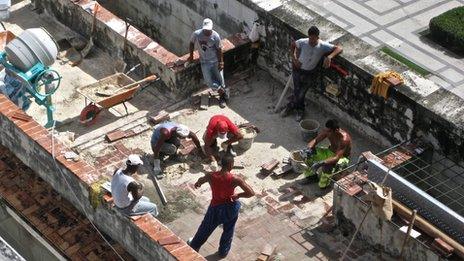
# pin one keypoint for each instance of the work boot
(299, 115)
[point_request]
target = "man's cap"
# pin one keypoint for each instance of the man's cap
(207, 24)
(134, 160)
(183, 131)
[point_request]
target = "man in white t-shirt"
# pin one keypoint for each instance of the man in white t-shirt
(209, 47)
(127, 192)
(307, 56)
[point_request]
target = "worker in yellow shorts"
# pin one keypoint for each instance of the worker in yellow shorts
(330, 159)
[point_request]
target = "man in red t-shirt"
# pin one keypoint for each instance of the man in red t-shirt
(224, 206)
(220, 126)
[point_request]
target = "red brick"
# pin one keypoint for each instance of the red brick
(353, 189)
(28, 125)
(172, 239)
(39, 134)
(72, 249)
(442, 247)
(185, 253)
(160, 117)
(33, 130)
(115, 135)
(269, 166)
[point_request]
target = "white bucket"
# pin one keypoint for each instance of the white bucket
(297, 162)
(249, 136)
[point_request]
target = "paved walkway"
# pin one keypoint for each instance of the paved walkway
(399, 24)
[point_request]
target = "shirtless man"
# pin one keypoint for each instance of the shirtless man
(330, 159)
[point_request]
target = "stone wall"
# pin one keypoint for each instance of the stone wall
(382, 235)
(417, 108)
(33, 145)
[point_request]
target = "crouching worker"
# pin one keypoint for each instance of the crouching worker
(166, 140)
(331, 159)
(220, 126)
(127, 192)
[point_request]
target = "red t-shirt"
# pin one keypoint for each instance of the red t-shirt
(221, 187)
(212, 130)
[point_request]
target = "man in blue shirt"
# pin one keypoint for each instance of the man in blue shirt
(209, 47)
(306, 56)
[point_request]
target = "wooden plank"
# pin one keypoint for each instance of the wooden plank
(102, 131)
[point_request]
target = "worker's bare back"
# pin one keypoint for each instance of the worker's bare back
(339, 140)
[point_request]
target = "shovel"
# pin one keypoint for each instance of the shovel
(88, 47)
(147, 79)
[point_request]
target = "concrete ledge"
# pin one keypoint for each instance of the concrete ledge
(32, 144)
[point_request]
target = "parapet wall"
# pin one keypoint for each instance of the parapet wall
(381, 234)
(33, 145)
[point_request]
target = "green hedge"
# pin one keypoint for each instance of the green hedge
(448, 29)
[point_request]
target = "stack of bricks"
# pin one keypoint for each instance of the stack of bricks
(49, 212)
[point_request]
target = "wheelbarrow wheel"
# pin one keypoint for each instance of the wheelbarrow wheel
(89, 114)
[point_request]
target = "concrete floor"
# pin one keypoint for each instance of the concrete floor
(283, 213)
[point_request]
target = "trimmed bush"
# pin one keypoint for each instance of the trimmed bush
(448, 29)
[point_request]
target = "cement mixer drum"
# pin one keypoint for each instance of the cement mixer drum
(32, 46)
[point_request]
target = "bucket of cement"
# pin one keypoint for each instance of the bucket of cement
(297, 162)
(309, 129)
(249, 136)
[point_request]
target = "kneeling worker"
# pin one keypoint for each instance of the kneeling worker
(331, 159)
(220, 126)
(166, 139)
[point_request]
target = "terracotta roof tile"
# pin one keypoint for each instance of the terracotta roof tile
(55, 218)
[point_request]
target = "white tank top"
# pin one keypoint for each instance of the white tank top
(122, 197)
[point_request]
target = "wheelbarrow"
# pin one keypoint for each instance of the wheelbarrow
(108, 92)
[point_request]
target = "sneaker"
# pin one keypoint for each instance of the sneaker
(299, 115)
(189, 241)
(221, 255)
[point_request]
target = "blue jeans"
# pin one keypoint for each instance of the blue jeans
(225, 214)
(214, 78)
(140, 207)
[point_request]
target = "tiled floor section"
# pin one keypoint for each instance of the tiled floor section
(62, 225)
(398, 24)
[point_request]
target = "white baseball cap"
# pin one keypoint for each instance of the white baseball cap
(134, 160)
(207, 24)
(182, 130)
(222, 136)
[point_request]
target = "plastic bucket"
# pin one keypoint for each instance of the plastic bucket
(309, 129)
(249, 136)
(297, 162)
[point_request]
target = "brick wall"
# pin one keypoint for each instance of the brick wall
(32, 144)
